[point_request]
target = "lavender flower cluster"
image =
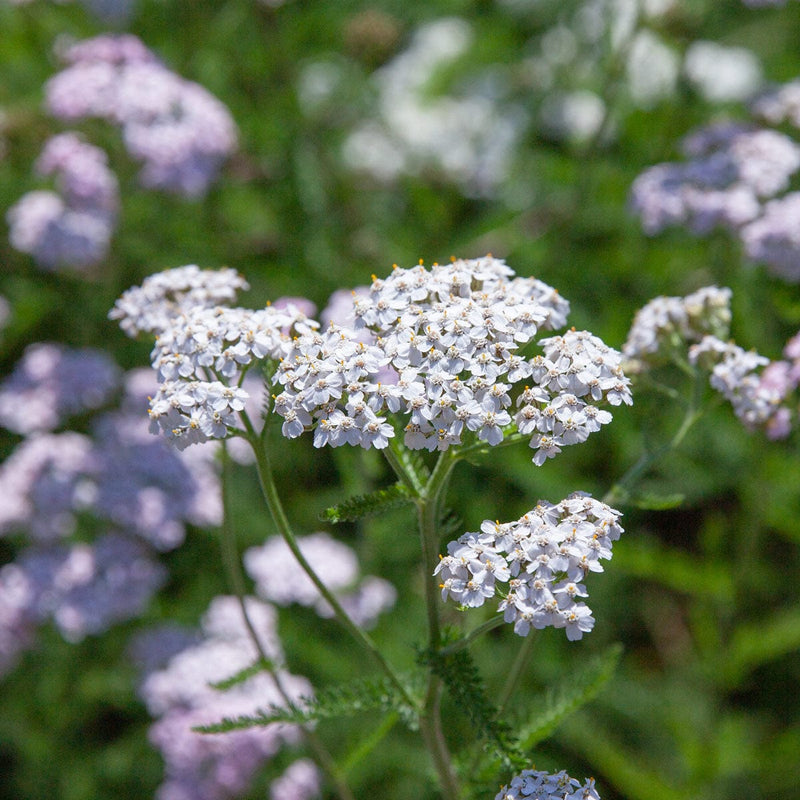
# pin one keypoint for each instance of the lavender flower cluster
(736, 178)
(71, 227)
(280, 579)
(441, 346)
(180, 132)
(113, 11)
(543, 557)
(666, 324)
(760, 397)
(53, 382)
(134, 491)
(759, 390)
(180, 694)
(544, 786)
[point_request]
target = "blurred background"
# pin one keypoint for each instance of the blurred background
(317, 144)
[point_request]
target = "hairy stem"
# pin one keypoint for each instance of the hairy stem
(429, 514)
(273, 501)
(233, 570)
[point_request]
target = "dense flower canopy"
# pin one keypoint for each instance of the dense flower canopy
(443, 348)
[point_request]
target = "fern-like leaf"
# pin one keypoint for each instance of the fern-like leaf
(344, 700)
(242, 675)
(569, 695)
(366, 505)
(462, 679)
(572, 692)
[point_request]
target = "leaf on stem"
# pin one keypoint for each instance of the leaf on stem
(242, 675)
(343, 700)
(366, 505)
(572, 692)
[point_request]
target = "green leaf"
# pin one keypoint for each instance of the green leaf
(242, 675)
(684, 572)
(574, 691)
(760, 642)
(656, 502)
(343, 700)
(366, 505)
(462, 679)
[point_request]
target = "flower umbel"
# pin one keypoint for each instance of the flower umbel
(439, 352)
(544, 786)
(543, 557)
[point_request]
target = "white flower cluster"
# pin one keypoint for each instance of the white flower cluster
(543, 557)
(670, 322)
(151, 307)
(734, 374)
(203, 349)
(443, 348)
(201, 359)
(544, 786)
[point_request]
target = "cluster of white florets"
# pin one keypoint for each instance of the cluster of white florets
(540, 785)
(202, 349)
(543, 557)
(443, 347)
(152, 307)
(669, 323)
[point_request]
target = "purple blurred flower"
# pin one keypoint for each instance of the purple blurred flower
(52, 382)
(86, 588)
(732, 168)
(774, 238)
(281, 580)
(180, 132)
(70, 228)
(218, 766)
(300, 781)
(43, 485)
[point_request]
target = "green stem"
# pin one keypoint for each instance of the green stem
(517, 669)
(273, 501)
(619, 492)
(495, 622)
(429, 506)
(233, 569)
(429, 512)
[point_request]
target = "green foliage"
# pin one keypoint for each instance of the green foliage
(243, 675)
(355, 508)
(333, 702)
(461, 677)
(702, 588)
(574, 690)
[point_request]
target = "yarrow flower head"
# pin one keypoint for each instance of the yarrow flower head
(732, 168)
(774, 238)
(203, 349)
(540, 785)
(153, 306)
(181, 696)
(669, 323)
(543, 558)
(52, 382)
(441, 350)
(280, 579)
